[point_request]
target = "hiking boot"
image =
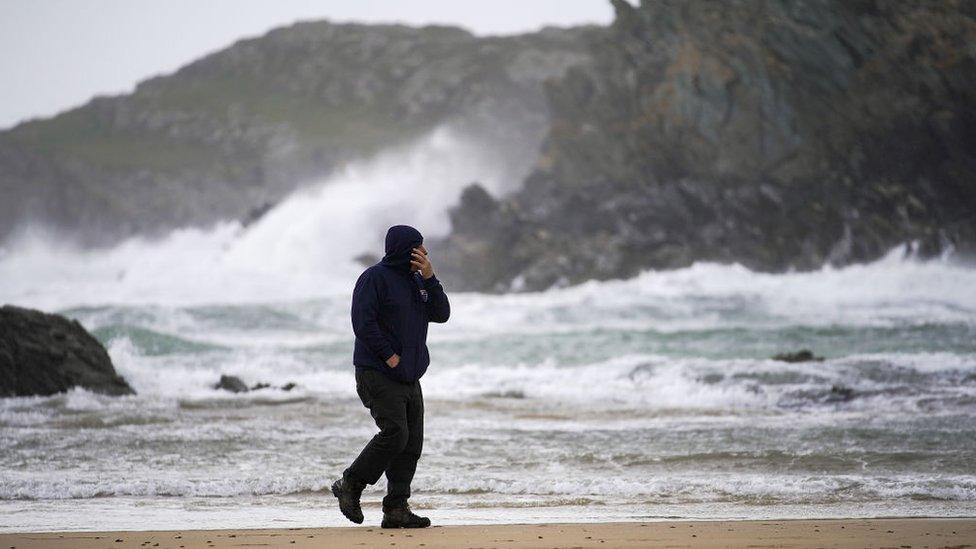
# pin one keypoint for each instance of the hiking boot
(348, 494)
(402, 517)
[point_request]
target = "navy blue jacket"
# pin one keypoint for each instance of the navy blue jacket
(389, 313)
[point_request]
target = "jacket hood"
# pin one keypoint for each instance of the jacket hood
(400, 241)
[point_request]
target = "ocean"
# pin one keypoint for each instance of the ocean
(640, 399)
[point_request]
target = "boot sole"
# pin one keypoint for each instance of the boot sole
(385, 524)
(335, 493)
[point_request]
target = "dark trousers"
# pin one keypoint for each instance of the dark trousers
(398, 409)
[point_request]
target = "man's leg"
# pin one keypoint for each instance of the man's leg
(387, 401)
(400, 471)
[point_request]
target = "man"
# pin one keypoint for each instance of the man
(392, 303)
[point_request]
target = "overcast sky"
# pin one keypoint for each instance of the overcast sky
(57, 54)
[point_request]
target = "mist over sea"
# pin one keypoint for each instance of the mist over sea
(644, 398)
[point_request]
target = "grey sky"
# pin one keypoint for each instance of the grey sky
(57, 54)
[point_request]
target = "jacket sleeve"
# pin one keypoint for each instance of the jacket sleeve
(438, 307)
(365, 310)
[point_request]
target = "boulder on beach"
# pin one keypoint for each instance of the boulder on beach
(44, 354)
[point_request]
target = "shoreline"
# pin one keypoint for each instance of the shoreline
(892, 532)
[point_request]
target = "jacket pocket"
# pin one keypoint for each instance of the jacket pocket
(397, 345)
(406, 369)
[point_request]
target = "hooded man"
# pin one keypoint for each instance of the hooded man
(392, 303)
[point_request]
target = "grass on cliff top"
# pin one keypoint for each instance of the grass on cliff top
(359, 125)
(226, 105)
(78, 135)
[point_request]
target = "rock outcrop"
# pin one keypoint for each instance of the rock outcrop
(777, 134)
(227, 135)
(43, 354)
(803, 355)
(235, 384)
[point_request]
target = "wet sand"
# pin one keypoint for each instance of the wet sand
(913, 532)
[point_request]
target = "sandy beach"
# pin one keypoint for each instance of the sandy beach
(914, 532)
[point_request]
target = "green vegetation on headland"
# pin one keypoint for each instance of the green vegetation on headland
(241, 128)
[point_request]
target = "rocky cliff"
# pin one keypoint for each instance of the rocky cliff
(779, 134)
(235, 131)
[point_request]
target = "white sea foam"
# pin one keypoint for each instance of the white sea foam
(893, 290)
(38, 486)
(743, 487)
(675, 487)
(645, 381)
(302, 248)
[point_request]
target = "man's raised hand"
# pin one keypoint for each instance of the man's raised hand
(420, 262)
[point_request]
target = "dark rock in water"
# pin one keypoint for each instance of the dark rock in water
(836, 394)
(511, 393)
(804, 355)
(256, 214)
(839, 393)
(711, 379)
(232, 384)
(286, 387)
(43, 354)
(778, 135)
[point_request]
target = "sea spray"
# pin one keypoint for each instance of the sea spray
(303, 247)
